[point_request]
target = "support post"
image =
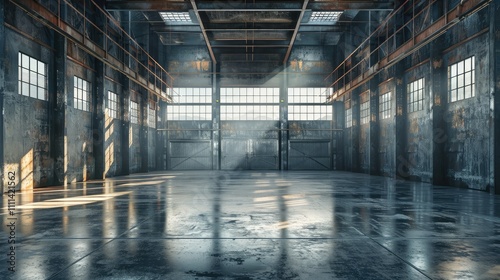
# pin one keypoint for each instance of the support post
(439, 97)
(400, 94)
(98, 134)
(495, 80)
(57, 112)
(283, 125)
(216, 123)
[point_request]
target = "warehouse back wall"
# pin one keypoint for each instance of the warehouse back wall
(71, 115)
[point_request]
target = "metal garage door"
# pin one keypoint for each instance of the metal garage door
(310, 155)
(189, 155)
(250, 146)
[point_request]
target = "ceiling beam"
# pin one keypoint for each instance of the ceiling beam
(342, 5)
(209, 46)
(150, 5)
(294, 36)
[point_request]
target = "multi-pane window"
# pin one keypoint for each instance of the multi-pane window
(385, 105)
(81, 94)
(315, 108)
(416, 95)
(461, 79)
(112, 107)
(189, 112)
(134, 112)
(309, 112)
(190, 104)
(364, 109)
(231, 97)
(249, 112)
(348, 117)
(308, 95)
(192, 95)
(152, 114)
(32, 77)
(249, 95)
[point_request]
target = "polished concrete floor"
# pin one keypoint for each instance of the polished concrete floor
(253, 225)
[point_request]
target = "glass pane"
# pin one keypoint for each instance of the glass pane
(41, 68)
(460, 79)
(460, 94)
(468, 91)
(26, 61)
(460, 67)
(25, 76)
(33, 64)
(468, 64)
(33, 91)
(41, 94)
(33, 78)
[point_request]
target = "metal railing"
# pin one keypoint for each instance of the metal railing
(396, 38)
(94, 30)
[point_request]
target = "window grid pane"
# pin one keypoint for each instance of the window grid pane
(81, 94)
(249, 112)
(250, 95)
(112, 107)
(190, 104)
(385, 105)
(134, 112)
(308, 95)
(32, 77)
(461, 80)
(152, 114)
(348, 118)
(365, 112)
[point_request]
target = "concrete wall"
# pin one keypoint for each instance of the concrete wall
(80, 164)
(112, 128)
(418, 156)
(464, 132)
(26, 120)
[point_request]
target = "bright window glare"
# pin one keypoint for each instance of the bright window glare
(175, 16)
(325, 16)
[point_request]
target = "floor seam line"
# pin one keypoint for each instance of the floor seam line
(98, 248)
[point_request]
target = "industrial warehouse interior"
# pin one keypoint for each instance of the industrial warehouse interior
(250, 139)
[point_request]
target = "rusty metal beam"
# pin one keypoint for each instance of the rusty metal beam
(151, 5)
(295, 31)
(203, 31)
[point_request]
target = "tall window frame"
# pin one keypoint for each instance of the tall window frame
(385, 105)
(416, 95)
(461, 80)
(113, 105)
(33, 77)
(364, 108)
(81, 94)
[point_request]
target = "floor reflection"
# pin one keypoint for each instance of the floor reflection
(256, 225)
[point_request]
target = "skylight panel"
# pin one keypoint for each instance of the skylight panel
(175, 16)
(325, 16)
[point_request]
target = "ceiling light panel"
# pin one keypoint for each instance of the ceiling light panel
(325, 16)
(175, 16)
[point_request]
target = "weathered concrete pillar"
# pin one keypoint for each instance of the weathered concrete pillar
(57, 112)
(374, 127)
(143, 132)
(216, 134)
(438, 93)
(355, 131)
(338, 137)
(495, 81)
(283, 125)
(124, 112)
(98, 135)
(161, 163)
(400, 94)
